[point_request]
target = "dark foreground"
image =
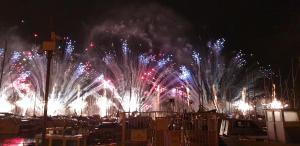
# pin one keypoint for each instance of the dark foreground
(135, 129)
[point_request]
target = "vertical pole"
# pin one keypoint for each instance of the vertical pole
(34, 103)
(230, 101)
(123, 118)
(158, 100)
(35, 46)
(253, 85)
(273, 91)
(200, 98)
(78, 96)
(89, 105)
(130, 90)
(49, 57)
(106, 100)
(293, 79)
(286, 91)
(3, 62)
(254, 96)
(265, 91)
(280, 84)
(247, 88)
(13, 89)
(188, 96)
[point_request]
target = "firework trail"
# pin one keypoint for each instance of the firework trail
(24, 78)
(129, 82)
(122, 79)
(139, 81)
(214, 80)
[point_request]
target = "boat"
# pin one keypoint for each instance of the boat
(63, 136)
(30, 126)
(9, 124)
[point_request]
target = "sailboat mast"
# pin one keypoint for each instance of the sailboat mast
(293, 82)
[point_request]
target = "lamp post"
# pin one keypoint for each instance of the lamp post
(48, 48)
(3, 62)
(35, 46)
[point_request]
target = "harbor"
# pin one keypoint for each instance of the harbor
(149, 73)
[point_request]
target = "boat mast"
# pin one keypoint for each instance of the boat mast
(293, 82)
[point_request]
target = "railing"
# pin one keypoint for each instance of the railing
(63, 136)
(169, 129)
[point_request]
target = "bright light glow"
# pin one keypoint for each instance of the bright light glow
(55, 107)
(77, 106)
(275, 104)
(173, 92)
(185, 73)
(14, 142)
(157, 102)
(244, 94)
(103, 105)
(243, 106)
(215, 97)
(92, 44)
(107, 85)
(5, 105)
(130, 104)
(196, 57)
(25, 103)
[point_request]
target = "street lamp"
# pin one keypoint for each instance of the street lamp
(48, 48)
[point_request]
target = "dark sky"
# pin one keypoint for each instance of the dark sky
(268, 28)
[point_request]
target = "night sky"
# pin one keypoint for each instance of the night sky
(268, 28)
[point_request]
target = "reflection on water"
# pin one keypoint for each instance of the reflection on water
(16, 141)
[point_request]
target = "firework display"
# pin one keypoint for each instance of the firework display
(105, 79)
